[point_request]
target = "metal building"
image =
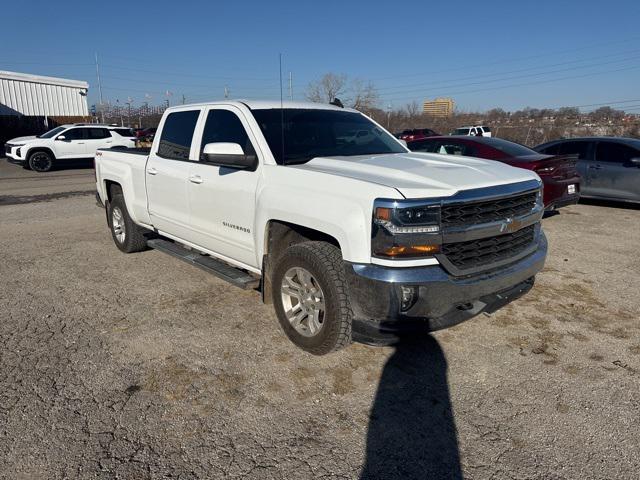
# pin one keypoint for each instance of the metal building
(34, 95)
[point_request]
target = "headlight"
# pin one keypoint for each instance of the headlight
(405, 230)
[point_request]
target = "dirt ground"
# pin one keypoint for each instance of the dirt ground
(140, 366)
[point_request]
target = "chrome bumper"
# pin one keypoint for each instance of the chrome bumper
(442, 300)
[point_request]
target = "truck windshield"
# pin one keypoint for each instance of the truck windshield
(311, 133)
(52, 133)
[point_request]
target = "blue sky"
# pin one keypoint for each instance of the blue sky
(507, 54)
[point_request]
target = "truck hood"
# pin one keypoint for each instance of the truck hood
(22, 139)
(421, 175)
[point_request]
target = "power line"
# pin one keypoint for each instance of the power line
(448, 82)
(499, 87)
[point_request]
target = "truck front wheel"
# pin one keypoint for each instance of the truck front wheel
(310, 297)
(127, 236)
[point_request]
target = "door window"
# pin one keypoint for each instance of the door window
(614, 152)
(225, 126)
(74, 134)
(177, 135)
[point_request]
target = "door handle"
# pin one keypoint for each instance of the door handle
(80, 143)
(109, 141)
(595, 167)
(195, 179)
(152, 171)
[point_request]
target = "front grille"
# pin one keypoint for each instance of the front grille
(485, 251)
(487, 211)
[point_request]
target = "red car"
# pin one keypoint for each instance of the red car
(558, 172)
(416, 134)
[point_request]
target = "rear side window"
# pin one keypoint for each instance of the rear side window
(423, 146)
(551, 149)
(97, 133)
(614, 152)
(124, 132)
(451, 148)
(225, 126)
(581, 149)
(177, 134)
(486, 129)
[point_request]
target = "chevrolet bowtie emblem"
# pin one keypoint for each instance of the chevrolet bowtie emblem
(510, 225)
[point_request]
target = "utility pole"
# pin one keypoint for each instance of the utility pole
(99, 86)
(388, 115)
(226, 92)
(184, 99)
(290, 86)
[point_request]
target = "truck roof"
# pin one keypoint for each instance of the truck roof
(266, 104)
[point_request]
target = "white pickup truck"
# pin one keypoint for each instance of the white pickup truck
(350, 240)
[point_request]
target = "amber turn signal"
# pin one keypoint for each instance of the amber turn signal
(383, 214)
(409, 250)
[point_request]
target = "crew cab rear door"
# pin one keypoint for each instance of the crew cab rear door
(167, 173)
(221, 199)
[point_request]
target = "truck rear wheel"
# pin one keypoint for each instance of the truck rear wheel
(127, 236)
(310, 297)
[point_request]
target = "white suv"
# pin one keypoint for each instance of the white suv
(66, 142)
(473, 131)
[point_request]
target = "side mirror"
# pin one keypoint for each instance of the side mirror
(228, 155)
(403, 142)
(61, 137)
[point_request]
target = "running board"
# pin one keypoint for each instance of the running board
(216, 267)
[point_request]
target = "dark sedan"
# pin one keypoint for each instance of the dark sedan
(558, 172)
(609, 166)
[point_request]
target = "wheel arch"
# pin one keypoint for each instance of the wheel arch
(280, 235)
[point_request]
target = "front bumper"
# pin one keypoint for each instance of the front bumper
(442, 300)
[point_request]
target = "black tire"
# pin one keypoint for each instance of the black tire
(324, 262)
(40, 161)
(133, 239)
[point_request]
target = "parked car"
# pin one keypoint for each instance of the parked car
(146, 132)
(349, 241)
(473, 131)
(415, 134)
(66, 142)
(609, 166)
(558, 172)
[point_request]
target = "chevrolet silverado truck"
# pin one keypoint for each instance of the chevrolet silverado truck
(349, 240)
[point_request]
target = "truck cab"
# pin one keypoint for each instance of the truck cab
(350, 238)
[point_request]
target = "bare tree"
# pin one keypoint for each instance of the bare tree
(356, 93)
(327, 88)
(365, 96)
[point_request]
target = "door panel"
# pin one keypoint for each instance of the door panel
(222, 200)
(168, 172)
(612, 175)
(97, 138)
(73, 146)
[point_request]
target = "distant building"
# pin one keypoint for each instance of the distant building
(440, 107)
(23, 94)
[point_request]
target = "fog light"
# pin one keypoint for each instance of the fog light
(408, 297)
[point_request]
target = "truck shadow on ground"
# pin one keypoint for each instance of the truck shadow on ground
(412, 434)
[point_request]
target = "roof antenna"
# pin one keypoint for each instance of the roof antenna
(284, 162)
(336, 101)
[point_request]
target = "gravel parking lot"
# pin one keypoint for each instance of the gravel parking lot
(140, 366)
